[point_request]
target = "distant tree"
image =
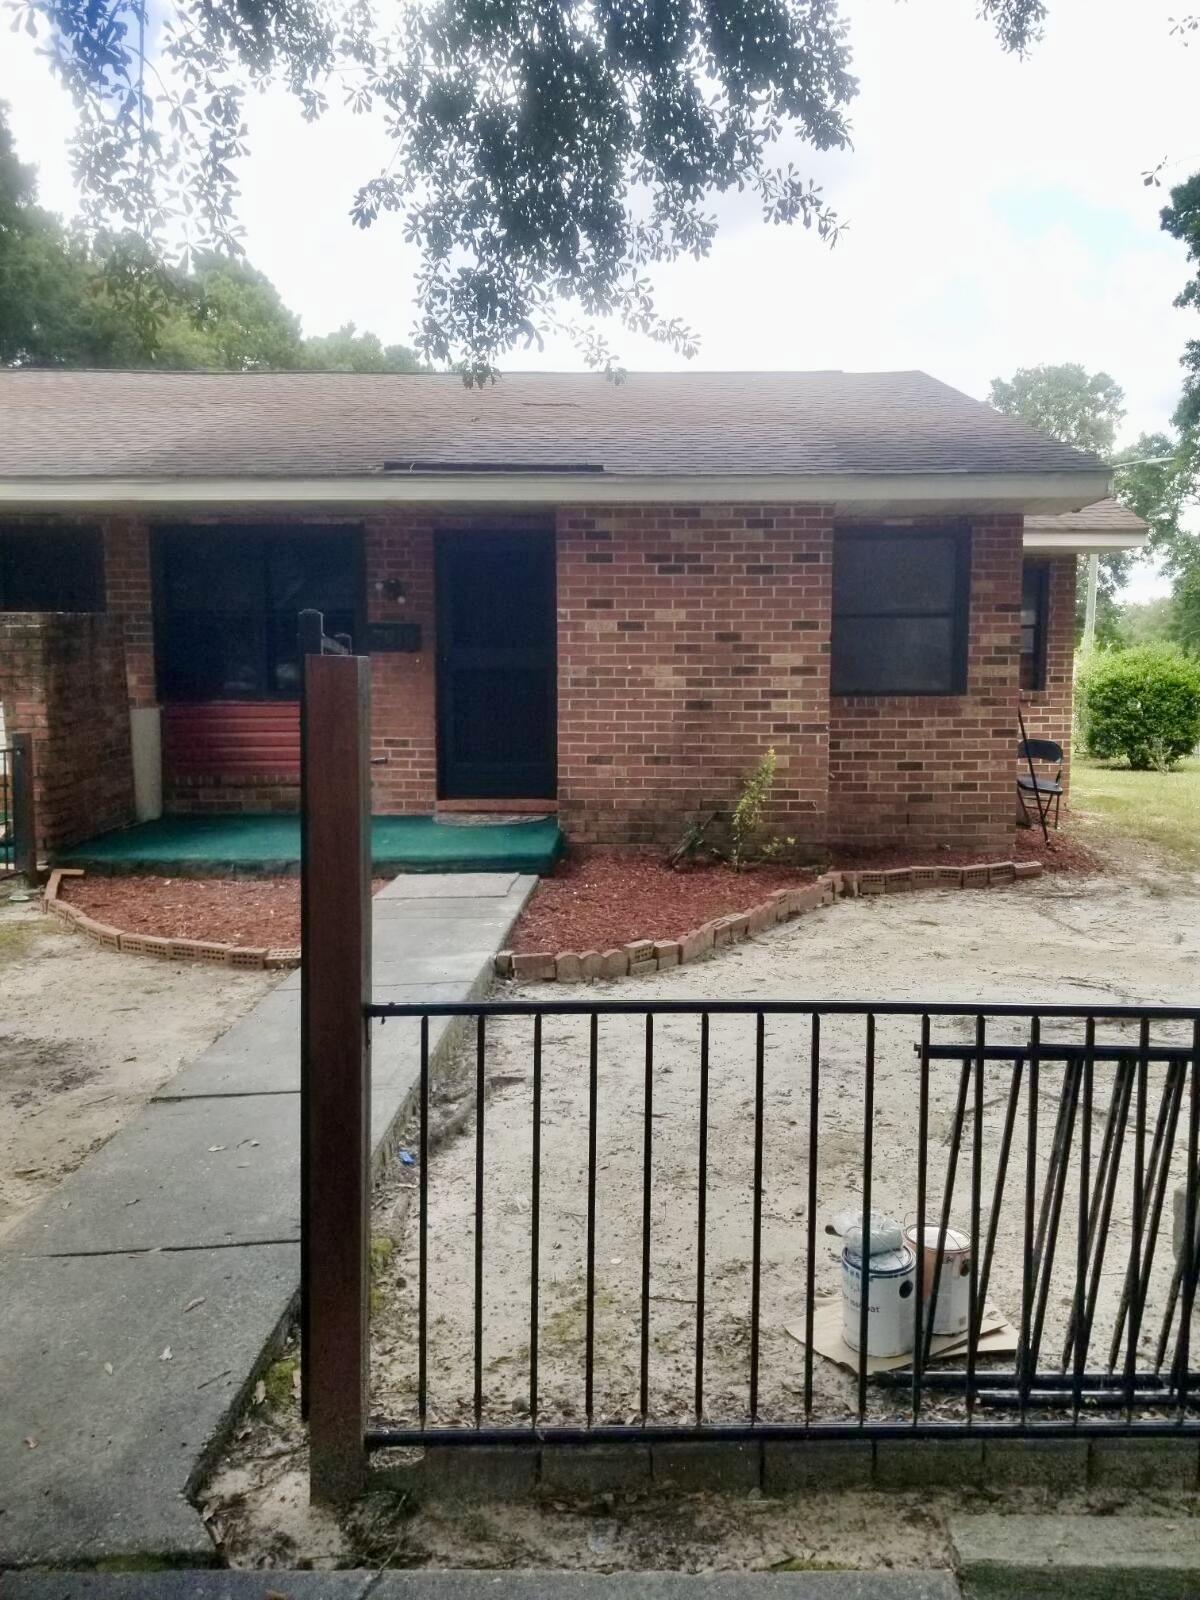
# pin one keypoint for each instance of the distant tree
(111, 301)
(546, 153)
(1083, 409)
(1147, 621)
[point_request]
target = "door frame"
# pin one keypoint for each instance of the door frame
(509, 533)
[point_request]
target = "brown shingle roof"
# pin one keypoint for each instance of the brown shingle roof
(63, 425)
(1106, 516)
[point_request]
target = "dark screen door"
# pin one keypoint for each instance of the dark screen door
(496, 666)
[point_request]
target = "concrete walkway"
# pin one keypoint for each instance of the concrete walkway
(137, 1300)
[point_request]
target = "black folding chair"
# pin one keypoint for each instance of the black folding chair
(1046, 793)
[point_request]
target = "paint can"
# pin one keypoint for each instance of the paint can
(891, 1297)
(952, 1312)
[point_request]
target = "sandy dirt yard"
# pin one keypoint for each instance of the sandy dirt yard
(1130, 935)
(86, 1036)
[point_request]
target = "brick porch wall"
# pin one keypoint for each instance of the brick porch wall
(1050, 712)
(62, 679)
(691, 639)
(930, 770)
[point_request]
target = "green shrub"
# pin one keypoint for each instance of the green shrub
(1142, 704)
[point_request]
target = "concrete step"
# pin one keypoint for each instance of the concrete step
(1092, 1558)
(369, 1585)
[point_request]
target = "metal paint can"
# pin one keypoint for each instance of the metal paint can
(952, 1312)
(891, 1298)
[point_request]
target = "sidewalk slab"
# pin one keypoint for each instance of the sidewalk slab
(1077, 1558)
(182, 1174)
(447, 886)
(113, 1452)
(485, 1586)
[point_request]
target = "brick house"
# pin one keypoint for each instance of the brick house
(605, 599)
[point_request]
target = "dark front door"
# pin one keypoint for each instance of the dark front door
(496, 666)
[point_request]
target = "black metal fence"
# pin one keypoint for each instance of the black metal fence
(17, 825)
(633, 1242)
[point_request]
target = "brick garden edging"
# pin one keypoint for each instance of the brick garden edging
(205, 952)
(657, 955)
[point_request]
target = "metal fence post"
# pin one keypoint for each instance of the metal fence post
(335, 1083)
(24, 807)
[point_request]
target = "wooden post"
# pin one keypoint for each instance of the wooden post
(24, 808)
(335, 1082)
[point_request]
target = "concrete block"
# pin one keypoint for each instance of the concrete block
(1026, 869)
(146, 944)
(833, 884)
(696, 944)
(739, 925)
(722, 933)
(483, 1474)
(568, 967)
(1077, 1558)
(614, 963)
(810, 898)
(667, 955)
(898, 880)
(639, 950)
(591, 965)
(1037, 1463)
(821, 1464)
(705, 1465)
(935, 877)
(872, 883)
(504, 963)
(763, 916)
(199, 950)
(1135, 1464)
(594, 1469)
(641, 969)
(529, 967)
(976, 877)
(1001, 872)
(921, 1463)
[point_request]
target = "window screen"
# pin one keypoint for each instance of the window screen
(900, 603)
(51, 569)
(229, 603)
(1035, 601)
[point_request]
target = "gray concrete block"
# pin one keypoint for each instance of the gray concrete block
(426, 886)
(483, 1474)
(1145, 1463)
(821, 1463)
(1077, 1558)
(182, 1173)
(916, 1463)
(114, 1451)
(594, 1469)
(1054, 1463)
(259, 1054)
(707, 1465)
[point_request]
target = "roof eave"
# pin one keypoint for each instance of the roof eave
(850, 494)
(1084, 541)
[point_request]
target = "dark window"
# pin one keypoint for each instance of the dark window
(900, 607)
(1035, 607)
(51, 569)
(229, 600)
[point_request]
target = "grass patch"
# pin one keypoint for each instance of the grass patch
(15, 940)
(1157, 808)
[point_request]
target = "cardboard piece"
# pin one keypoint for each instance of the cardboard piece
(997, 1337)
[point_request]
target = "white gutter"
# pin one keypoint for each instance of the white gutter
(850, 494)
(1041, 541)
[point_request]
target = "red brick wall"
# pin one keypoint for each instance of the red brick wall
(933, 770)
(691, 639)
(399, 549)
(1050, 712)
(62, 678)
(129, 594)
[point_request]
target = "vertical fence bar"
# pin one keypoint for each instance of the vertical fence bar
(810, 1265)
(960, 1112)
(535, 1221)
(922, 1202)
(589, 1352)
(756, 1243)
(1025, 1374)
(1079, 1365)
(423, 1226)
(974, 1308)
(1137, 1220)
(336, 1083)
(647, 1196)
(865, 1259)
(23, 807)
(480, 1114)
(1189, 1252)
(701, 1216)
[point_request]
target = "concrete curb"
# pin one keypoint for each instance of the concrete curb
(1077, 1557)
(645, 955)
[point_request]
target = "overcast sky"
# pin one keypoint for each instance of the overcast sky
(996, 209)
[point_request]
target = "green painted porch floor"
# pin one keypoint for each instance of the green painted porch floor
(213, 846)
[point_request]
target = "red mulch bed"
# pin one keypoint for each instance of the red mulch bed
(243, 911)
(596, 899)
